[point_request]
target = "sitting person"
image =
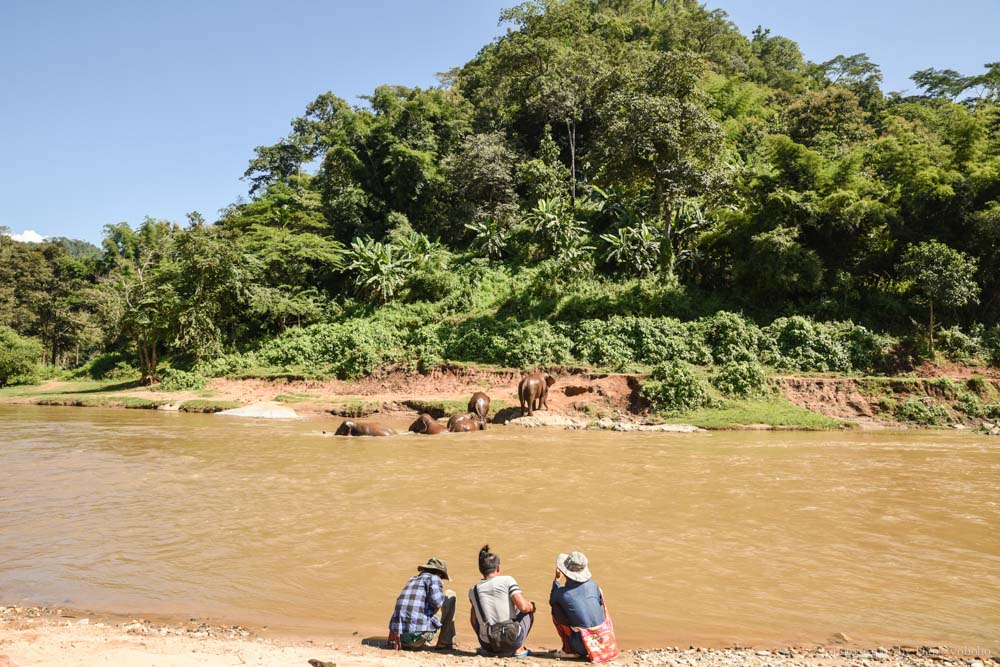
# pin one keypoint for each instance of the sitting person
(501, 615)
(414, 620)
(577, 604)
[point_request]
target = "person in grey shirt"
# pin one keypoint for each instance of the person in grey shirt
(497, 599)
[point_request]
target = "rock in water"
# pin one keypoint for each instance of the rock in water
(265, 410)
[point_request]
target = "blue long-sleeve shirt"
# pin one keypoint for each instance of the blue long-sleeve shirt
(417, 603)
(580, 603)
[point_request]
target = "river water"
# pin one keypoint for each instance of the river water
(709, 538)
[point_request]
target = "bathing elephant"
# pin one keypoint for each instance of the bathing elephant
(363, 428)
(479, 405)
(464, 423)
(533, 390)
(428, 425)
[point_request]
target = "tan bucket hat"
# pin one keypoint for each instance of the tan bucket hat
(574, 566)
(437, 566)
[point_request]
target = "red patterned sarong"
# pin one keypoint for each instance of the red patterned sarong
(599, 641)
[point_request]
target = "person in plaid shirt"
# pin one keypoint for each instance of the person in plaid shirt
(414, 621)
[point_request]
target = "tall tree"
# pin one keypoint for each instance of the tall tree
(939, 274)
(139, 300)
(658, 133)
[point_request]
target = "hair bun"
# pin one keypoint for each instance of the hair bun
(485, 550)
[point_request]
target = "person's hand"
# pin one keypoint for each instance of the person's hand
(558, 573)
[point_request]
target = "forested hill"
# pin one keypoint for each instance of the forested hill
(601, 158)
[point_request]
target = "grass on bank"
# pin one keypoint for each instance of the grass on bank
(774, 412)
(293, 398)
(64, 388)
(439, 408)
(101, 401)
(208, 406)
(355, 407)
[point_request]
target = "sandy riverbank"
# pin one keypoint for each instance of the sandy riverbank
(36, 637)
(943, 395)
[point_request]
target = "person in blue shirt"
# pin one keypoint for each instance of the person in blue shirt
(575, 604)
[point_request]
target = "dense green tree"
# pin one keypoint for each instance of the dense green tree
(547, 178)
(939, 274)
(18, 356)
(139, 302)
(212, 279)
(658, 135)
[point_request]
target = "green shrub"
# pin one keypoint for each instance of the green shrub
(425, 345)
(603, 344)
(924, 412)
(123, 371)
(19, 357)
(980, 386)
(798, 343)
(866, 350)
(945, 387)
(741, 379)
(730, 337)
(887, 405)
(991, 345)
(227, 364)
(351, 349)
(991, 411)
(113, 366)
(534, 344)
(971, 405)
(663, 339)
(509, 343)
(622, 341)
(174, 379)
(673, 387)
(958, 346)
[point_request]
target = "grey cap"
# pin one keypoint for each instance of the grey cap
(574, 566)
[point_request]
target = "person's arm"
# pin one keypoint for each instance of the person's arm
(435, 594)
(522, 603)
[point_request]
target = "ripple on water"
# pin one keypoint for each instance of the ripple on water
(722, 536)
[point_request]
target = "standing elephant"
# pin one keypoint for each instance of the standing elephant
(479, 405)
(533, 391)
(428, 425)
(464, 423)
(363, 428)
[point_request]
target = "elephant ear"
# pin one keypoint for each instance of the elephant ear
(549, 380)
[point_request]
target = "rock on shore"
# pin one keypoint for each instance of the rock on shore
(43, 637)
(604, 424)
(264, 410)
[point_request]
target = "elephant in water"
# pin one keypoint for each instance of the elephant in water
(363, 428)
(464, 423)
(479, 405)
(428, 425)
(533, 390)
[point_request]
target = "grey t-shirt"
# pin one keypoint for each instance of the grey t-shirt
(496, 595)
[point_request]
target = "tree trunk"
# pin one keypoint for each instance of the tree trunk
(571, 133)
(931, 330)
(666, 211)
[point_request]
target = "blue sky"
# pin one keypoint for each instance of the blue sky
(113, 110)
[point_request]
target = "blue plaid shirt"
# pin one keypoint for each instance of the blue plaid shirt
(416, 605)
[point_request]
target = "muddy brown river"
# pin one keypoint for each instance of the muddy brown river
(709, 538)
